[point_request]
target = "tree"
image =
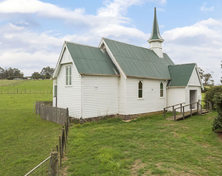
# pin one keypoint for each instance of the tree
(2, 73)
(10, 73)
(36, 75)
(47, 71)
(206, 77)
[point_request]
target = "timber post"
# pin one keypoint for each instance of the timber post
(183, 112)
(190, 110)
(201, 109)
(54, 163)
(181, 107)
(164, 112)
(210, 106)
(60, 150)
(174, 113)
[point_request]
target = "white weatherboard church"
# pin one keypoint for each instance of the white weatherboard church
(120, 78)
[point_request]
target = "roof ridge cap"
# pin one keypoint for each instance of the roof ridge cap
(82, 44)
(129, 44)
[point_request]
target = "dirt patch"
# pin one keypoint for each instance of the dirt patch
(170, 124)
(175, 134)
(63, 171)
(209, 118)
(137, 166)
(127, 120)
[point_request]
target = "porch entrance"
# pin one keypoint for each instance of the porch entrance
(193, 98)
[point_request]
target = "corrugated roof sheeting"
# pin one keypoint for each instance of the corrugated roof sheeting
(138, 61)
(91, 60)
(180, 74)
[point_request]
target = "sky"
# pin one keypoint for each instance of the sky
(32, 32)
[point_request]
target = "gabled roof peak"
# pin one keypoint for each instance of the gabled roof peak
(155, 35)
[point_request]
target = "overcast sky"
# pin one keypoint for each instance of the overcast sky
(32, 32)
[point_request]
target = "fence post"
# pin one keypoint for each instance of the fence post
(183, 112)
(60, 150)
(164, 113)
(201, 109)
(207, 105)
(174, 113)
(54, 164)
(63, 139)
(210, 104)
(190, 110)
(180, 107)
(197, 107)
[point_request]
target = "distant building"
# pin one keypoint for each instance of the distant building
(120, 78)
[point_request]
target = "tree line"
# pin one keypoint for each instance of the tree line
(15, 73)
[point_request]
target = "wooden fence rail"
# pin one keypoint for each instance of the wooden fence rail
(52, 114)
(173, 106)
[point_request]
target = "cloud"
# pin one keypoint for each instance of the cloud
(200, 43)
(204, 8)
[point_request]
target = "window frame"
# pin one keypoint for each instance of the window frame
(161, 90)
(68, 75)
(140, 90)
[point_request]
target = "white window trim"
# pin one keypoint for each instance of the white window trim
(162, 89)
(68, 76)
(140, 98)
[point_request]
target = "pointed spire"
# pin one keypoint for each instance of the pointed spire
(155, 35)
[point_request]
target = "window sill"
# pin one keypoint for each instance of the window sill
(68, 86)
(140, 98)
(162, 97)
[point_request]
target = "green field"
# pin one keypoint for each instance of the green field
(25, 139)
(147, 146)
(26, 87)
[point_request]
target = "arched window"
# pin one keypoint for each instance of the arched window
(140, 90)
(161, 89)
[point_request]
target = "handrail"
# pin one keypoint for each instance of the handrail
(174, 105)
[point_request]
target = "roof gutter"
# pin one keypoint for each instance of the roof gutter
(147, 78)
(85, 74)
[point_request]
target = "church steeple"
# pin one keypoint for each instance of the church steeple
(155, 38)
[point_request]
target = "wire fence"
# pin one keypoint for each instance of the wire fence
(49, 167)
(43, 169)
(25, 91)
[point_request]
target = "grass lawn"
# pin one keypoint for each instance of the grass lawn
(25, 86)
(25, 140)
(147, 146)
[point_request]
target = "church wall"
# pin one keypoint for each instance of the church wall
(151, 100)
(176, 96)
(69, 96)
(99, 96)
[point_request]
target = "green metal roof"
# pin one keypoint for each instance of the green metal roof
(155, 35)
(138, 61)
(91, 60)
(180, 74)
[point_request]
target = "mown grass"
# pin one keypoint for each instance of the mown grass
(10, 83)
(25, 86)
(149, 145)
(25, 140)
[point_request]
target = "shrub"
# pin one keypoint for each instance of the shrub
(217, 124)
(205, 89)
(209, 96)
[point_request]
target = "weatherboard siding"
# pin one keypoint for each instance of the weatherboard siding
(99, 96)
(194, 80)
(151, 100)
(122, 95)
(175, 96)
(69, 96)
